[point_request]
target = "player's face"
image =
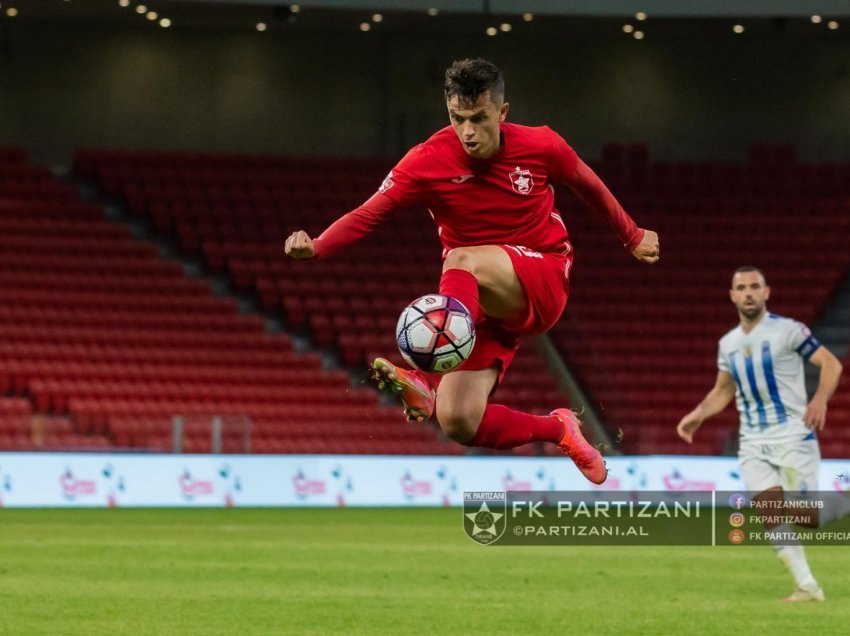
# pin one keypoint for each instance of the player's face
(749, 293)
(477, 125)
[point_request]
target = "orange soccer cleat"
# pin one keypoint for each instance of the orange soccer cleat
(588, 460)
(416, 394)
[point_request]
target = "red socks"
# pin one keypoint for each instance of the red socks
(505, 428)
(501, 427)
(462, 285)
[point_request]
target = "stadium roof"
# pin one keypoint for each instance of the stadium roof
(457, 16)
(658, 8)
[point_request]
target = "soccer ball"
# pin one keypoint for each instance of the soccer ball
(435, 333)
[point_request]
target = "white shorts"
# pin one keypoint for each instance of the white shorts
(793, 466)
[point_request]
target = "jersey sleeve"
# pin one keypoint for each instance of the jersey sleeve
(403, 185)
(568, 169)
(354, 225)
(722, 362)
(400, 189)
(800, 338)
(563, 160)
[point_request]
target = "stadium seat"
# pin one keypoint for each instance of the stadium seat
(643, 339)
(235, 214)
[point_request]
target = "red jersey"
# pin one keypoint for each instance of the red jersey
(507, 199)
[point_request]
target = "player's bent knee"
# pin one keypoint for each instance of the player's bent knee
(460, 258)
(459, 426)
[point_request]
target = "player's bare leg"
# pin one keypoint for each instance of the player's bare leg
(462, 401)
(483, 278)
(500, 294)
(495, 288)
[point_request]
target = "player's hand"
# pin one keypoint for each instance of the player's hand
(688, 425)
(815, 417)
(299, 245)
(649, 249)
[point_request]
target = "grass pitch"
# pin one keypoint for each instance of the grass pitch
(387, 571)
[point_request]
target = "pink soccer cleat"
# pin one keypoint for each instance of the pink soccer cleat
(416, 394)
(588, 460)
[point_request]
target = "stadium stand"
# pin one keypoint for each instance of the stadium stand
(644, 340)
(234, 212)
(102, 343)
(105, 343)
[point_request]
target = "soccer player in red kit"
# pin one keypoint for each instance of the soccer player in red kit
(489, 185)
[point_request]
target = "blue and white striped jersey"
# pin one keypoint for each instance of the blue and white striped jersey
(767, 365)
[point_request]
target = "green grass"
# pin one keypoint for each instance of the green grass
(399, 571)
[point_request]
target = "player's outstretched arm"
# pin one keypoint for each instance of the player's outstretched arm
(830, 373)
(299, 245)
(347, 229)
(715, 401)
(643, 244)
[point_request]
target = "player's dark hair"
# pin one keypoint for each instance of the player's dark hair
(468, 79)
(747, 269)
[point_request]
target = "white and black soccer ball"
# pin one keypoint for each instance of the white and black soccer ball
(435, 333)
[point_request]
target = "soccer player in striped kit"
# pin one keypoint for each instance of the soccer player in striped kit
(760, 364)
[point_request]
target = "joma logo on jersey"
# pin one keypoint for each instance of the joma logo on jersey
(521, 180)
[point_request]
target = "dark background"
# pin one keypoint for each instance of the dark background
(691, 88)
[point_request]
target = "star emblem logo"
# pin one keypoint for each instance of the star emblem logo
(521, 180)
(485, 515)
(484, 520)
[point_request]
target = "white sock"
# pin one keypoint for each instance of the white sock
(835, 506)
(794, 558)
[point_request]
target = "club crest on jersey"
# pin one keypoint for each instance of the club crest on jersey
(521, 180)
(387, 184)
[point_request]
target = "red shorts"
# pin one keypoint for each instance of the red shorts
(545, 281)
